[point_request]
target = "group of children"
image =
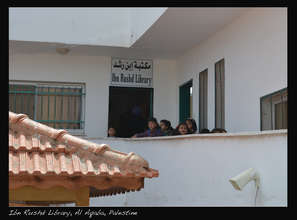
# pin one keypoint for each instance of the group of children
(165, 129)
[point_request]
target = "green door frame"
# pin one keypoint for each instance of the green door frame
(151, 102)
(184, 100)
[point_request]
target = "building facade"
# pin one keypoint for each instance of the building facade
(224, 67)
(252, 46)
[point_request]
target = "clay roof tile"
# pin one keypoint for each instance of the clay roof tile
(37, 149)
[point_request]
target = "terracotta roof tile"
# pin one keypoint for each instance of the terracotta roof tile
(37, 149)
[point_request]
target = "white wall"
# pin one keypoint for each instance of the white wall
(95, 72)
(195, 171)
(254, 47)
(83, 69)
(165, 94)
(90, 26)
(83, 25)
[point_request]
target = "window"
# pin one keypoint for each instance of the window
(58, 105)
(203, 99)
(274, 110)
(220, 94)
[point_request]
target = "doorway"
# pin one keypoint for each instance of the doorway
(129, 109)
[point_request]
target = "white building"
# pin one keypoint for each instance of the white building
(225, 67)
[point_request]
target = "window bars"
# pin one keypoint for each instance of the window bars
(56, 105)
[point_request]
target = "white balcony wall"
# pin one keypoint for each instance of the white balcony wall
(87, 26)
(94, 71)
(254, 47)
(195, 171)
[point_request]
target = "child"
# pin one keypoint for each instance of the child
(191, 123)
(166, 127)
(111, 132)
(181, 129)
(153, 131)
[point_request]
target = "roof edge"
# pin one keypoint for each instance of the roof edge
(85, 149)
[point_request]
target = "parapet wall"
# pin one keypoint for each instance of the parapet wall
(194, 169)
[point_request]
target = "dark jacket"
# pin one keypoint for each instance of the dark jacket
(168, 132)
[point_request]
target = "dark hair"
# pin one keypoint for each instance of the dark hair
(154, 120)
(204, 131)
(114, 129)
(218, 130)
(167, 123)
(194, 125)
(176, 131)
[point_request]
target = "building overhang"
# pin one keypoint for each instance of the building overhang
(168, 34)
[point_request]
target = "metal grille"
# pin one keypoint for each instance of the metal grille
(56, 105)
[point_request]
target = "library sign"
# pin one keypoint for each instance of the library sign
(131, 73)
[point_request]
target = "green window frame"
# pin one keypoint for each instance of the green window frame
(185, 100)
(56, 104)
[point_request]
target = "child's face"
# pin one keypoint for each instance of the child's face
(111, 132)
(183, 129)
(189, 124)
(152, 125)
(163, 126)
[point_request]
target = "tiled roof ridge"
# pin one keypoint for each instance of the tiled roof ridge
(85, 149)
